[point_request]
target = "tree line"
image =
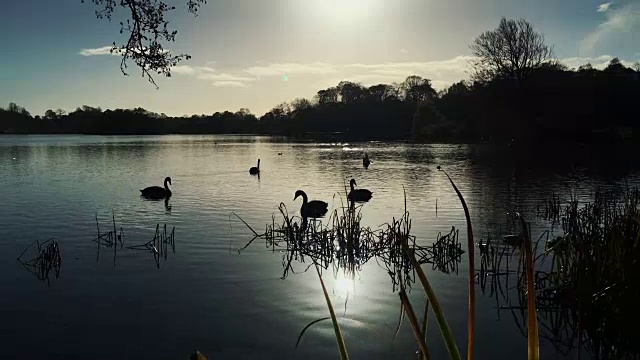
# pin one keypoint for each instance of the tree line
(517, 92)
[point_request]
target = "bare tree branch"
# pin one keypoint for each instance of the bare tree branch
(148, 30)
(510, 51)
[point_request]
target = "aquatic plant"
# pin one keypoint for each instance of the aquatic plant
(585, 280)
(110, 239)
(159, 245)
(47, 258)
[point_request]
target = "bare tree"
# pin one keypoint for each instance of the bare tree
(301, 104)
(147, 29)
(509, 51)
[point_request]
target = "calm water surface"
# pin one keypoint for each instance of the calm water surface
(235, 306)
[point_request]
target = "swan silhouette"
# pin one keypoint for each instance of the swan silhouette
(156, 192)
(311, 209)
(358, 195)
(366, 161)
(255, 170)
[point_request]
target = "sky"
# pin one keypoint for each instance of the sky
(257, 53)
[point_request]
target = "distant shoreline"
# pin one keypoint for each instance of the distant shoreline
(601, 139)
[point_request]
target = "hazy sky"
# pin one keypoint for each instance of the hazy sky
(52, 51)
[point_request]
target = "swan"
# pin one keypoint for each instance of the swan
(156, 192)
(366, 161)
(358, 195)
(313, 209)
(255, 170)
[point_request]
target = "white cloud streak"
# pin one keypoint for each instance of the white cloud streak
(105, 50)
(210, 74)
(604, 7)
(597, 62)
(441, 72)
(317, 68)
(224, 77)
(620, 20)
(229, 84)
(192, 70)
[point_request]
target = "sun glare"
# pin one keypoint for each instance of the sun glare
(344, 10)
(343, 285)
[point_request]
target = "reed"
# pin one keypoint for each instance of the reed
(472, 275)
(579, 286)
(47, 257)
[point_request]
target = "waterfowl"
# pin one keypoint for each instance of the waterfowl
(311, 209)
(156, 192)
(366, 161)
(358, 195)
(255, 169)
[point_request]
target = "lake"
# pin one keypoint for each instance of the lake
(232, 305)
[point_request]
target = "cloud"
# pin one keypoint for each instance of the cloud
(229, 84)
(597, 62)
(105, 50)
(224, 77)
(604, 7)
(442, 72)
(317, 68)
(209, 73)
(455, 66)
(191, 70)
(621, 20)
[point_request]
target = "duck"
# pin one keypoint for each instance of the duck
(311, 209)
(156, 192)
(255, 170)
(358, 195)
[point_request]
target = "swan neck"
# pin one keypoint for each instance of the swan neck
(166, 184)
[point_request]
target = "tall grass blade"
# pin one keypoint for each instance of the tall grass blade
(339, 338)
(449, 340)
(241, 219)
(424, 321)
(406, 304)
(399, 322)
(308, 326)
(532, 320)
(472, 275)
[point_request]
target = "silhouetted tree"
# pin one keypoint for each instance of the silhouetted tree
(417, 89)
(50, 114)
(380, 92)
(147, 29)
(350, 92)
(329, 95)
(300, 104)
(512, 50)
(585, 67)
